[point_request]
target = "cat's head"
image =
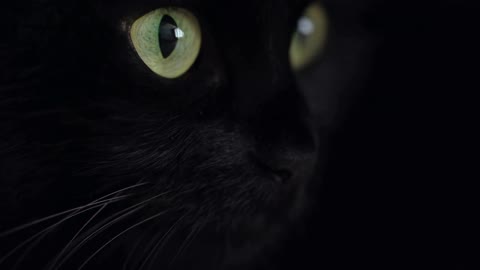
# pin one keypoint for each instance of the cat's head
(205, 112)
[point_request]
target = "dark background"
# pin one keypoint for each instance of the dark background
(398, 193)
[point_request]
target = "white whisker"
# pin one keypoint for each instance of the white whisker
(162, 241)
(48, 229)
(76, 235)
(91, 235)
(97, 201)
(120, 234)
(188, 240)
(109, 222)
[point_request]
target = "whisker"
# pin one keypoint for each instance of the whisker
(162, 241)
(120, 234)
(76, 235)
(48, 229)
(132, 253)
(153, 241)
(91, 235)
(52, 264)
(35, 222)
(105, 224)
(25, 253)
(188, 240)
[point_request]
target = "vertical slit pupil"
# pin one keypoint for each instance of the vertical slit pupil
(168, 39)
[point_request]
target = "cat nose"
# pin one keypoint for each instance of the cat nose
(289, 167)
(285, 139)
(287, 154)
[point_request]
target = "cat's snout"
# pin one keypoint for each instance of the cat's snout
(278, 175)
(282, 175)
(288, 168)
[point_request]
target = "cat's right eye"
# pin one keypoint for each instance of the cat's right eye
(168, 41)
(310, 38)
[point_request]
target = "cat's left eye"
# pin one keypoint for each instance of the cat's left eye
(168, 41)
(310, 38)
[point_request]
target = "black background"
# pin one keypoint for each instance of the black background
(398, 192)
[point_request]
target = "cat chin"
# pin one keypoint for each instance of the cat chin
(240, 248)
(256, 238)
(242, 240)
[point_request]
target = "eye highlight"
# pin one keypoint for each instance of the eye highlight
(168, 41)
(310, 38)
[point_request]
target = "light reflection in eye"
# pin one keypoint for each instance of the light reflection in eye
(305, 26)
(179, 33)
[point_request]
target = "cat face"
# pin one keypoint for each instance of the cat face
(203, 131)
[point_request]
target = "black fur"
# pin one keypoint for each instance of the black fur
(231, 146)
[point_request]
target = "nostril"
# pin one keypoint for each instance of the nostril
(281, 176)
(278, 175)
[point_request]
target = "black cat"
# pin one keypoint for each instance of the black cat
(155, 134)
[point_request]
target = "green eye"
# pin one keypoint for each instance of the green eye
(310, 38)
(168, 41)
